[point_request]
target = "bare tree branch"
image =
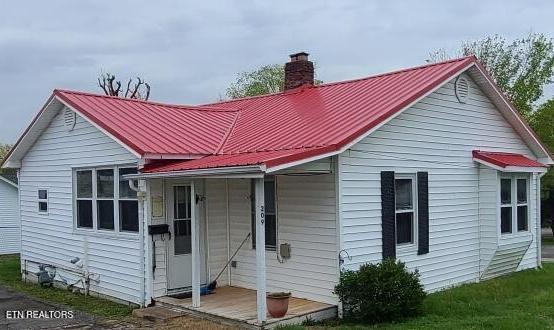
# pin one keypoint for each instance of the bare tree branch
(112, 87)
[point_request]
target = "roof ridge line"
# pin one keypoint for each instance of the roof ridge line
(303, 87)
(419, 67)
(171, 105)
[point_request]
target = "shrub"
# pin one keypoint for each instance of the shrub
(381, 292)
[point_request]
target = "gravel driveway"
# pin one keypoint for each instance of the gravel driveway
(11, 302)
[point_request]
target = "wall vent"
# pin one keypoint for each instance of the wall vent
(69, 118)
(462, 89)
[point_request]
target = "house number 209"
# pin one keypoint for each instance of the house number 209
(262, 214)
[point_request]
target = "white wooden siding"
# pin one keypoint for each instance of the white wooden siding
(9, 219)
(436, 135)
(216, 211)
(488, 213)
(159, 278)
(306, 220)
(50, 238)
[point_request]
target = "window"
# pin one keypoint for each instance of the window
(182, 210)
(505, 206)
(270, 213)
(405, 209)
(128, 202)
(43, 201)
(100, 200)
(514, 204)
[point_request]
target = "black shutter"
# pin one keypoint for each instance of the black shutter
(423, 212)
(388, 214)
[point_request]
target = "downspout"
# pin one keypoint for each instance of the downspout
(538, 220)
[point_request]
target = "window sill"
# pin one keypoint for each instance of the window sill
(107, 234)
(521, 234)
(406, 248)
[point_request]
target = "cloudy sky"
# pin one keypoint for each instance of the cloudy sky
(191, 51)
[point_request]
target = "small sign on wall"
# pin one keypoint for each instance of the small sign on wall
(157, 206)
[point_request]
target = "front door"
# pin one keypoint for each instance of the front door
(180, 258)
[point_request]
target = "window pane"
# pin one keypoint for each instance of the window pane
(182, 233)
(403, 192)
(42, 194)
(42, 207)
(404, 227)
(269, 192)
(181, 207)
(521, 190)
(506, 191)
(104, 183)
(105, 215)
(270, 231)
(84, 184)
(124, 190)
(128, 216)
(84, 214)
(522, 218)
(505, 220)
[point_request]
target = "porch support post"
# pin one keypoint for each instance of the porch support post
(195, 242)
(260, 249)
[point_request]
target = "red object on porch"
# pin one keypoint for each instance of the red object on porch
(505, 159)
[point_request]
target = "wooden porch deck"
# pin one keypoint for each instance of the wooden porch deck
(239, 306)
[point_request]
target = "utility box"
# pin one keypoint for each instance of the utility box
(284, 250)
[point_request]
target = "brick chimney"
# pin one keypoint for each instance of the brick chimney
(299, 71)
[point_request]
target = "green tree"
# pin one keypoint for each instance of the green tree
(521, 68)
(264, 80)
(4, 149)
(543, 123)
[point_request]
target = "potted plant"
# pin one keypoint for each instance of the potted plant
(277, 303)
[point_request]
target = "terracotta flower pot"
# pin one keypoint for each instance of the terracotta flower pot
(277, 303)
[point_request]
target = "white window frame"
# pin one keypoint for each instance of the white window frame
(95, 230)
(43, 200)
(413, 178)
(514, 203)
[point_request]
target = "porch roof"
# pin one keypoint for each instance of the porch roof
(508, 162)
(264, 161)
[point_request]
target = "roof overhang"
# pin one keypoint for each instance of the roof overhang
(252, 171)
(11, 183)
(508, 162)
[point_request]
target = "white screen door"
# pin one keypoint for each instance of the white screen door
(180, 258)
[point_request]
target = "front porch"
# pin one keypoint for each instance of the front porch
(237, 306)
(254, 234)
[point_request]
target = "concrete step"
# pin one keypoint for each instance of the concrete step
(157, 313)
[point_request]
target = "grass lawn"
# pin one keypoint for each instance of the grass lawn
(10, 276)
(524, 300)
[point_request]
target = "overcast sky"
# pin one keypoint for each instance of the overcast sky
(191, 51)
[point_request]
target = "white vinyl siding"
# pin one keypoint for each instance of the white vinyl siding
(51, 238)
(306, 216)
(9, 219)
(436, 135)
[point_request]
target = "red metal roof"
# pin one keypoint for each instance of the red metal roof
(270, 129)
(267, 158)
(156, 128)
(505, 159)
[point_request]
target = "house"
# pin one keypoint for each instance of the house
(148, 201)
(9, 214)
